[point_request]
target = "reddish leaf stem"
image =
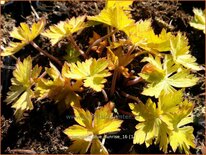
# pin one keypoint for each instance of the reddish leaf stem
(46, 54)
(73, 42)
(100, 40)
(114, 79)
(135, 98)
(134, 81)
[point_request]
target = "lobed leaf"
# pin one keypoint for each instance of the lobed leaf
(60, 88)
(21, 93)
(85, 134)
(180, 52)
(113, 16)
(64, 29)
(198, 21)
(25, 35)
(92, 71)
(165, 122)
(164, 77)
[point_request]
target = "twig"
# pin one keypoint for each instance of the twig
(37, 16)
(45, 53)
(22, 151)
(131, 97)
(100, 40)
(71, 39)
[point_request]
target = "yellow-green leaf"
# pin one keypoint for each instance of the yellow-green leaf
(25, 35)
(92, 71)
(85, 135)
(113, 16)
(180, 52)
(104, 121)
(151, 125)
(164, 77)
(64, 29)
(60, 88)
(20, 93)
(198, 21)
(164, 123)
(182, 136)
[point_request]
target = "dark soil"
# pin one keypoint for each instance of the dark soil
(41, 130)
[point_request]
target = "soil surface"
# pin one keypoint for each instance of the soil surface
(41, 130)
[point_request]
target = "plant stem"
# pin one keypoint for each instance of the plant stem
(114, 79)
(140, 53)
(131, 97)
(113, 35)
(71, 39)
(103, 139)
(100, 40)
(125, 112)
(105, 95)
(45, 53)
(131, 49)
(134, 81)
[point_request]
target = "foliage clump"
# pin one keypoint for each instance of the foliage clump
(169, 69)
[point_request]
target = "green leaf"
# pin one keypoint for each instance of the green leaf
(72, 55)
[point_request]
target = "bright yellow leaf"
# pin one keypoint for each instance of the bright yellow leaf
(119, 3)
(164, 123)
(142, 34)
(25, 35)
(60, 88)
(64, 29)
(13, 48)
(164, 77)
(85, 135)
(114, 17)
(92, 71)
(198, 21)
(180, 52)
(20, 93)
